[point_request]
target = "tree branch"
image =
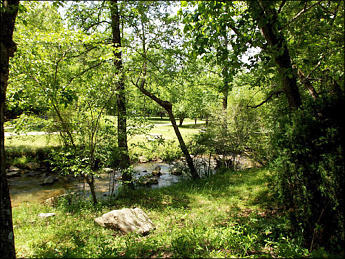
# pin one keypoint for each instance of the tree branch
(304, 10)
(267, 99)
(84, 71)
(281, 6)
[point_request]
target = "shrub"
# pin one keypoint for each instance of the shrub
(309, 160)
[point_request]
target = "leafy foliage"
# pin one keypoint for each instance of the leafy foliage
(309, 149)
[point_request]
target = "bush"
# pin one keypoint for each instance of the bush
(309, 159)
(239, 132)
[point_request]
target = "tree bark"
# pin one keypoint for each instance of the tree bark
(225, 73)
(8, 13)
(124, 161)
(308, 85)
(267, 18)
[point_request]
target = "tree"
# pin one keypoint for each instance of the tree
(209, 31)
(8, 12)
(266, 17)
(120, 97)
(63, 73)
(152, 39)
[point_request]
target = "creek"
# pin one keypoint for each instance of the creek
(28, 187)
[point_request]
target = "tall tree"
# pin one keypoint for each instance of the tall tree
(207, 27)
(124, 161)
(155, 45)
(267, 19)
(8, 13)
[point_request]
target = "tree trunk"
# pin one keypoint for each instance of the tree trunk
(183, 146)
(267, 19)
(91, 182)
(225, 96)
(168, 107)
(308, 85)
(8, 13)
(124, 161)
(181, 119)
(225, 73)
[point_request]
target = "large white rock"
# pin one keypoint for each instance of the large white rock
(127, 220)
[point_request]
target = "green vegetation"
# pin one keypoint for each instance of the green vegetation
(228, 214)
(211, 87)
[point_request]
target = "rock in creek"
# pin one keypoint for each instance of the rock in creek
(49, 180)
(33, 173)
(148, 180)
(32, 165)
(127, 220)
(176, 171)
(13, 174)
(157, 171)
(13, 169)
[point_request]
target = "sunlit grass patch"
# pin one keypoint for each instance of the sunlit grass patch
(32, 141)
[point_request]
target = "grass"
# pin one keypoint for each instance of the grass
(31, 142)
(22, 147)
(230, 214)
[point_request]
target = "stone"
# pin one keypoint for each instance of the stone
(157, 171)
(46, 215)
(142, 159)
(49, 180)
(13, 169)
(127, 220)
(148, 180)
(176, 171)
(13, 174)
(32, 173)
(33, 165)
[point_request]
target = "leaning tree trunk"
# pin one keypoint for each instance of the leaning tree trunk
(267, 19)
(8, 13)
(124, 161)
(183, 146)
(168, 107)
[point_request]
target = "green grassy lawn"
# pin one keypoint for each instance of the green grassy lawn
(32, 142)
(227, 215)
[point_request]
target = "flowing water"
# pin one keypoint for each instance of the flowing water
(29, 189)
